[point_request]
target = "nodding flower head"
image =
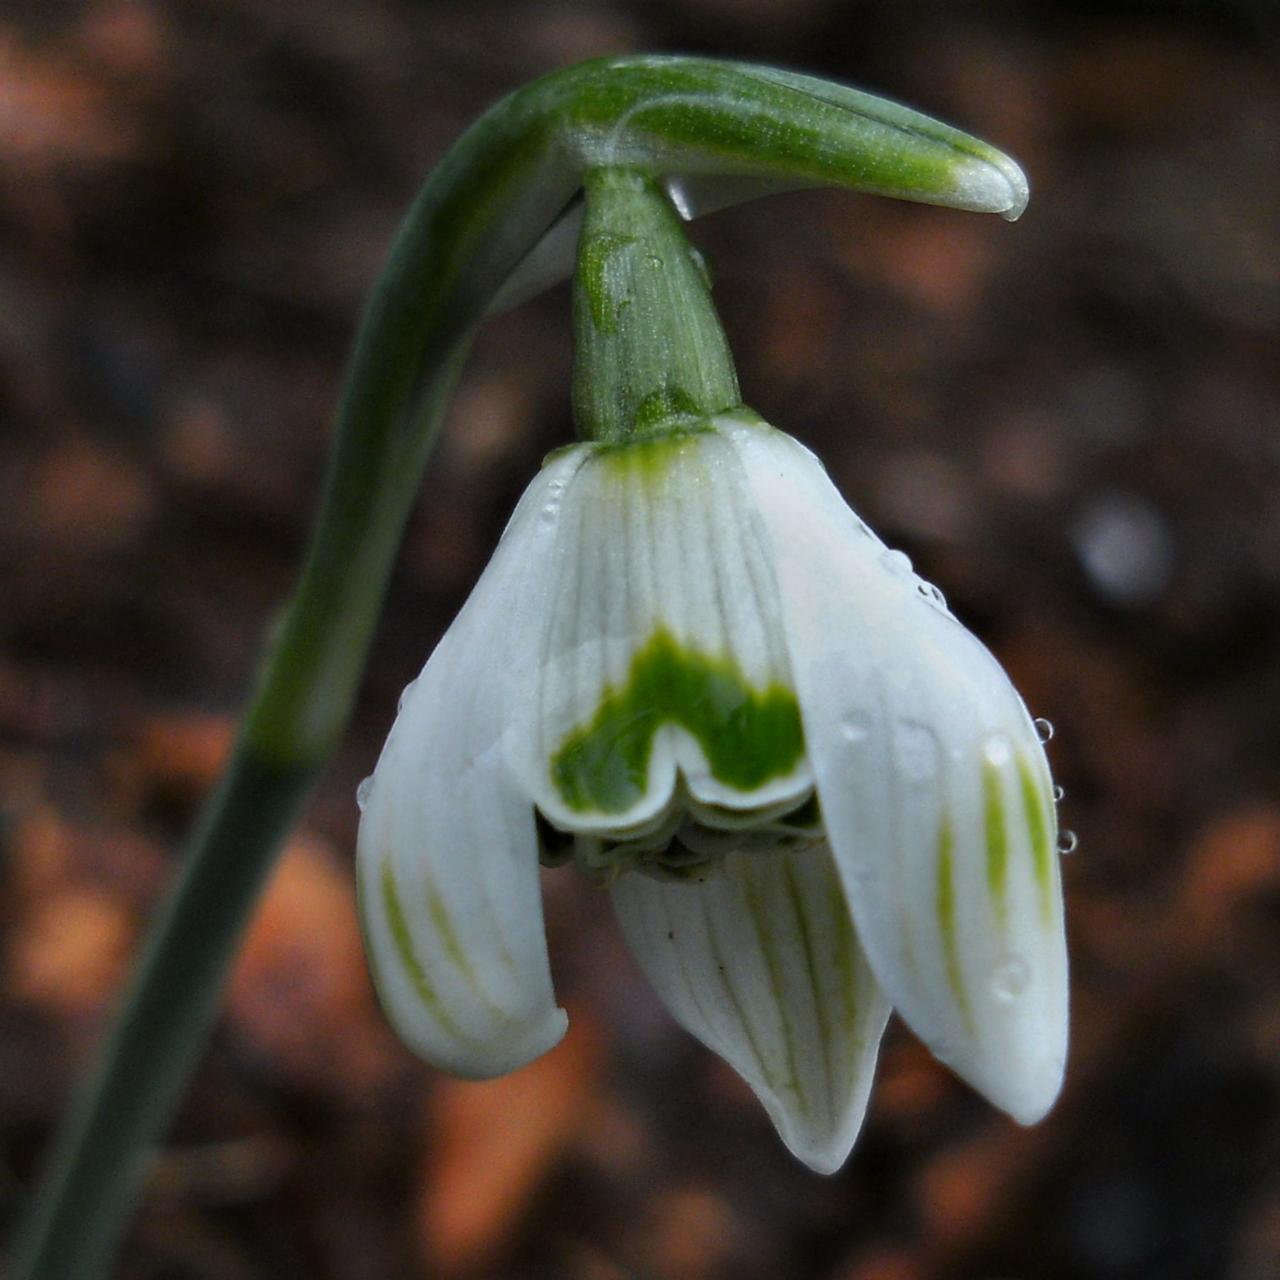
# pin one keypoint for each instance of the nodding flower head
(808, 791)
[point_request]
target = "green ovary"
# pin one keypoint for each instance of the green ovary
(747, 735)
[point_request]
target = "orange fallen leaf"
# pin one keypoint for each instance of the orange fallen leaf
(964, 1188)
(491, 1145)
(300, 989)
(694, 1233)
(69, 950)
(180, 757)
(1236, 861)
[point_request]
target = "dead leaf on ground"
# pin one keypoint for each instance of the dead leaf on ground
(491, 1145)
(300, 991)
(69, 951)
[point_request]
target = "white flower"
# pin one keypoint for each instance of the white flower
(811, 793)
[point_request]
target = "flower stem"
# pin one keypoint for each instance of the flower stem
(649, 350)
(164, 1024)
(488, 228)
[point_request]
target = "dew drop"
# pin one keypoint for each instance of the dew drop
(898, 563)
(549, 514)
(363, 791)
(996, 749)
(1044, 729)
(1059, 793)
(404, 696)
(853, 731)
(1067, 842)
(1009, 978)
(931, 593)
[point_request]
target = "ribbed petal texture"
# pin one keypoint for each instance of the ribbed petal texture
(759, 959)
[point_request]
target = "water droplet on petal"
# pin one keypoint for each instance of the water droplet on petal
(1044, 728)
(996, 749)
(404, 696)
(1059, 793)
(1009, 978)
(363, 791)
(1067, 842)
(931, 593)
(853, 730)
(898, 563)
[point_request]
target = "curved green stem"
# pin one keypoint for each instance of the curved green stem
(493, 223)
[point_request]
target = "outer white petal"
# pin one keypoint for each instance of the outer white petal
(934, 789)
(662, 573)
(760, 961)
(447, 852)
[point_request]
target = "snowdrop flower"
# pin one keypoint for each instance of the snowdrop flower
(808, 791)
(689, 669)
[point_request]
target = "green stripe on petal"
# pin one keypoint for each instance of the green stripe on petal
(760, 914)
(997, 837)
(1038, 828)
(442, 922)
(946, 902)
(408, 958)
(748, 736)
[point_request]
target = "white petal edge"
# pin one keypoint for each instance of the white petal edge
(760, 961)
(934, 789)
(447, 853)
(659, 550)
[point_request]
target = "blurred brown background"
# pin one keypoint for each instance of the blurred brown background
(1071, 425)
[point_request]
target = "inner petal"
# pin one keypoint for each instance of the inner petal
(664, 682)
